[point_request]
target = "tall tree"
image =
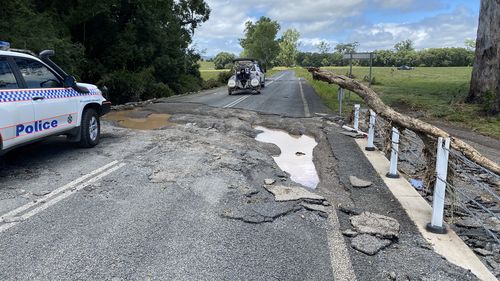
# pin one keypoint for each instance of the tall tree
(223, 59)
(135, 48)
(260, 40)
(289, 44)
(470, 44)
(346, 48)
(485, 82)
(323, 47)
(404, 46)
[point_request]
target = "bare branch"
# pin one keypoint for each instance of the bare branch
(374, 102)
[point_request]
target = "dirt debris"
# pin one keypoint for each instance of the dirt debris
(369, 244)
(359, 183)
(292, 193)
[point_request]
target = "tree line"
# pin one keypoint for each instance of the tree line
(435, 57)
(138, 49)
(261, 42)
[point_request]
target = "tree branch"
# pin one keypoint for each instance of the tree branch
(376, 104)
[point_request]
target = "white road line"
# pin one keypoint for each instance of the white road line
(339, 255)
(304, 101)
(66, 191)
(277, 78)
(231, 104)
(56, 191)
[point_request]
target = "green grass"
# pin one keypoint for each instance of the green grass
(438, 92)
(211, 74)
(208, 71)
(206, 65)
(275, 70)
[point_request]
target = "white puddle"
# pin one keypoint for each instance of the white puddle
(296, 156)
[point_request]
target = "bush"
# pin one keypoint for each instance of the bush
(224, 76)
(157, 90)
(125, 86)
(189, 84)
(211, 83)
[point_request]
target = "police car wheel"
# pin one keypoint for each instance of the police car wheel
(91, 129)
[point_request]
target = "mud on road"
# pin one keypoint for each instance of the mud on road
(190, 205)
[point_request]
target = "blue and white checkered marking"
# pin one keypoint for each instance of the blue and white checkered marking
(26, 95)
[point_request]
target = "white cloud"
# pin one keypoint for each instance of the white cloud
(444, 30)
(227, 20)
(394, 3)
(365, 21)
(311, 44)
(319, 10)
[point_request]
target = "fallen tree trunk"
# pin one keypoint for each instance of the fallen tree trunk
(376, 104)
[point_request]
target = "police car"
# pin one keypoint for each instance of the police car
(38, 99)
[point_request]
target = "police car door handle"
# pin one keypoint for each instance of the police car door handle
(38, 98)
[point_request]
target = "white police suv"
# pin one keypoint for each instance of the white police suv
(38, 99)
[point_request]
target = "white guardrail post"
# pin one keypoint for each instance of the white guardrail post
(341, 99)
(436, 225)
(356, 117)
(371, 131)
(393, 169)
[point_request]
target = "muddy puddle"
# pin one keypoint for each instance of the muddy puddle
(296, 156)
(139, 120)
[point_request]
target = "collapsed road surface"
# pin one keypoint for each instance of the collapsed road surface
(198, 199)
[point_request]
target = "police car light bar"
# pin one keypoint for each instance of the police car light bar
(4, 46)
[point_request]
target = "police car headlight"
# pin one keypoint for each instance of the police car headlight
(254, 82)
(231, 83)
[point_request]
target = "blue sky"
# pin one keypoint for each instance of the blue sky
(375, 24)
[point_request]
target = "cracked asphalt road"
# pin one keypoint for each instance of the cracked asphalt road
(284, 94)
(186, 202)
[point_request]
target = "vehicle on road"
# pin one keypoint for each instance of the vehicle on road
(38, 99)
(405, 67)
(248, 76)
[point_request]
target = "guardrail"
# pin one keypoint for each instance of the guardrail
(442, 184)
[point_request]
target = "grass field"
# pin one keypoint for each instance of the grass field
(438, 92)
(208, 71)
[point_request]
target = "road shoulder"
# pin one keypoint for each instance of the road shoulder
(411, 257)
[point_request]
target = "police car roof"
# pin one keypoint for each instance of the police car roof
(17, 54)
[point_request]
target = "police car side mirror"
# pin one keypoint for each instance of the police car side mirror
(69, 82)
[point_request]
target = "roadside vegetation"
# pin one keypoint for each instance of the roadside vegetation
(118, 44)
(436, 92)
(212, 77)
